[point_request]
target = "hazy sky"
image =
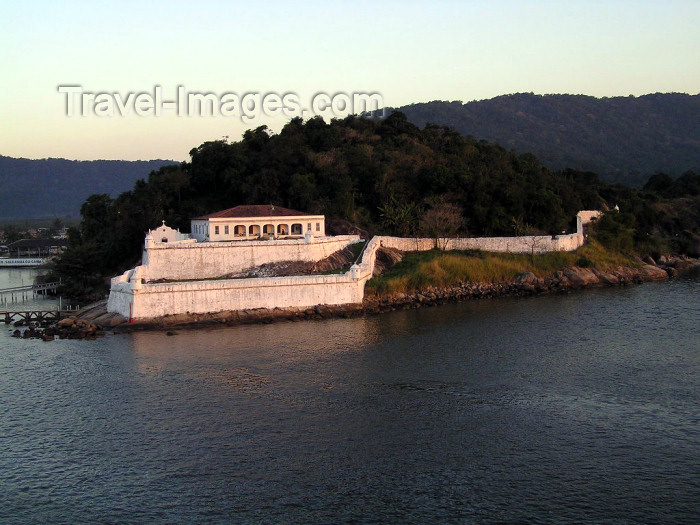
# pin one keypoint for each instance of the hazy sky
(407, 51)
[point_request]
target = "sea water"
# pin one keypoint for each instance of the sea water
(576, 408)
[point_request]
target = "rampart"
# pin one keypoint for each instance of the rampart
(205, 260)
(135, 295)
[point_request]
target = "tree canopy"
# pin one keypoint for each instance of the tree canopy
(385, 176)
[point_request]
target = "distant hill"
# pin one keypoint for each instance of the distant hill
(623, 139)
(58, 187)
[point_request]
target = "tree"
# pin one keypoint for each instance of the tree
(441, 221)
(400, 218)
(12, 234)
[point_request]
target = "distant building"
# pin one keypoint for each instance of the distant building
(253, 222)
(37, 247)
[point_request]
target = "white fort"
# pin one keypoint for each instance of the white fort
(188, 273)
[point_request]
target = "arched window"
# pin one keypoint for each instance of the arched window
(296, 229)
(239, 231)
(269, 229)
(282, 229)
(254, 230)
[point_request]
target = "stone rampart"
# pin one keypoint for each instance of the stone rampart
(135, 296)
(205, 260)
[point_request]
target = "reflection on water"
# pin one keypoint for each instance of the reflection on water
(576, 408)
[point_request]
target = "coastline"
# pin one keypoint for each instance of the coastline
(94, 320)
(523, 285)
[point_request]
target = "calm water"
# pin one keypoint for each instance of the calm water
(13, 277)
(581, 408)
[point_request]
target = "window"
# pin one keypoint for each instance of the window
(226, 229)
(216, 230)
(318, 226)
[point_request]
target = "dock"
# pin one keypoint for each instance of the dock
(27, 292)
(35, 316)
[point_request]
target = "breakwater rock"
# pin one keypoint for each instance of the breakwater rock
(88, 323)
(238, 317)
(523, 284)
(93, 321)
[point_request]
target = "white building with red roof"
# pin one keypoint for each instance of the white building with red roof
(253, 222)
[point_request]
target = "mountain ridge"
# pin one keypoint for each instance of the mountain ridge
(57, 187)
(623, 139)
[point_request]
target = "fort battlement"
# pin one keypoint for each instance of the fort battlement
(191, 269)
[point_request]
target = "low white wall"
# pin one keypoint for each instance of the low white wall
(180, 261)
(525, 244)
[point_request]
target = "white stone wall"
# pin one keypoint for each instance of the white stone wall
(155, 300)
(134, 297)
(526, 244)
(185, 261)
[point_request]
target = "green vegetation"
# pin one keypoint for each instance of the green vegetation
(435, 268)
(386, 177)
(624, 139)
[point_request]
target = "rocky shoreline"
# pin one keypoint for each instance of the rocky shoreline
(93, 321)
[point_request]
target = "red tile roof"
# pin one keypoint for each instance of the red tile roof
(257, 210)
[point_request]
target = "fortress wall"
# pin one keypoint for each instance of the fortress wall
(525, 244)
(134, 297)
(155, 300)
(178, 261)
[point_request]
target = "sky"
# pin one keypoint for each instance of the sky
(55, 55)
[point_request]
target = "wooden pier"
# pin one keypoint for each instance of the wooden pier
(35, 316)
(25, 293)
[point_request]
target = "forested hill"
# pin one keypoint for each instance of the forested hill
(58, 187)
(385, 176)
(623, 139)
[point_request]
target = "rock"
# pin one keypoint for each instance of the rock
(109, 320)
(386, 258)
(17, 333)
(653, 273)
(526, 278)
(66, 322)
(606, 278)
(581, 276)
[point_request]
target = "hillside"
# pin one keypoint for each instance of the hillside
(387, 177)
(58, 187)
(623, 139)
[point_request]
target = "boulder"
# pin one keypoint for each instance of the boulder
(581, 276)
(66, 322)
(526, 278)
(653, 273)
(606, 277)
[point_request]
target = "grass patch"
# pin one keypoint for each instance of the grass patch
(357, 249)
(420, 270)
